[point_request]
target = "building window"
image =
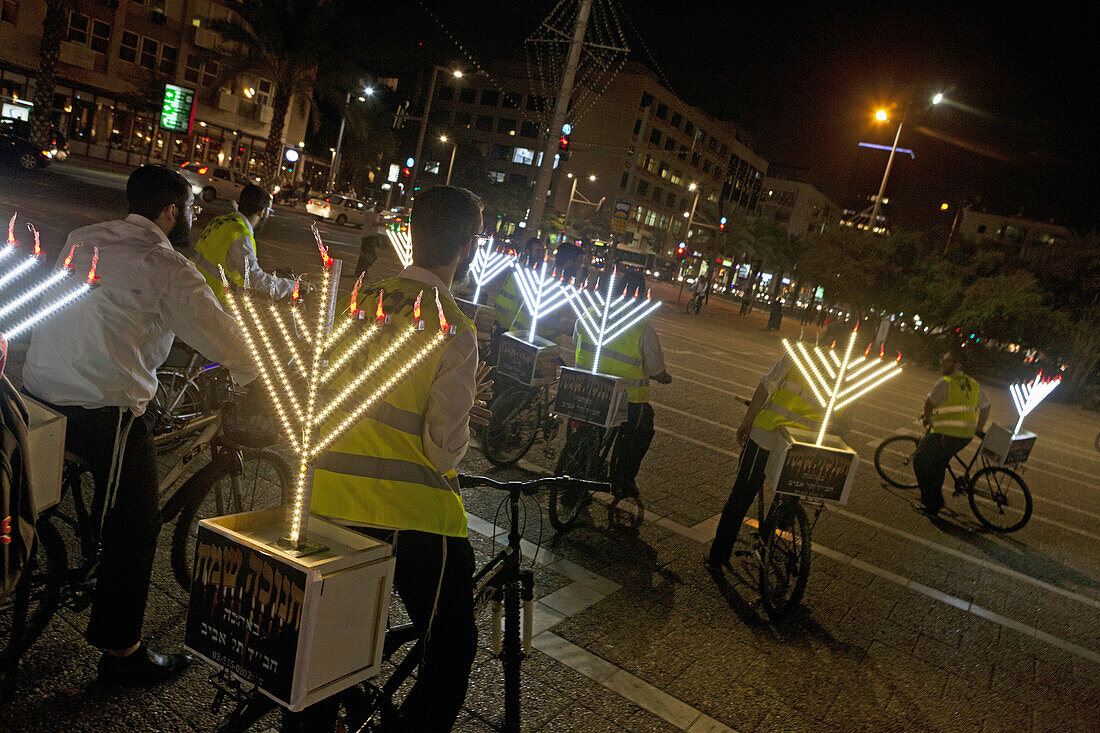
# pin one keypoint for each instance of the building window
(78, 27)
(643, 187)
(462, 119)
(651, 218)
(536, 103)
(432, 166)
(9, 12)
(655, 137)
(523, 156)
(623, 180)
(193, 69)
(695, 160)
(484, 123)
(128, 50)
(706, 166)
(101, 36)
(662, 111)
(500, 152)
(670, 144)
(169, 55)
(676, 177)
(658, 194)
(637, 126)
(211, 70)
(446, 93)
(506, 126)
(1014, 234)
(489, 97)
(512, 100)
(671, 200)
(647, 100)
(528, 129)
(662, 170)
(517, 178)
(467, 96)
(689, 129)
(676, 120)
(981, 229)
(264, 90)
(496, 176)
(149, 49)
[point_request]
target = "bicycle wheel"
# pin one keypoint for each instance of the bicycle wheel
(894, 461)
(573, 461)
(264, 483)
(176, 398)
(999, 499)
(512, 427)
(784, 557)
(25, 613)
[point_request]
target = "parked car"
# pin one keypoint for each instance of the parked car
(340, 209)
(211, 182)
(18, 150)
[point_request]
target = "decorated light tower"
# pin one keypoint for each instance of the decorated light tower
(1026, 397)
(605, 317)
(300, 395)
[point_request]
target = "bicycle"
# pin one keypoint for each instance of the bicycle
(520, 413)
(502, 582)
(694, 305)
(180, 386)
(587, 453)
(991, 487)
(243, 474)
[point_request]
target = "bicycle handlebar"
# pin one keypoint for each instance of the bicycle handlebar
(529, 488)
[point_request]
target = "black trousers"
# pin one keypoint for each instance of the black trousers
(132, 522)
(749, 483)
(631, 444)
(930, 460)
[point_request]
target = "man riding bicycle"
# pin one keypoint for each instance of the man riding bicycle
(955, 410)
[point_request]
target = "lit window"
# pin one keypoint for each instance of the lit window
(523, 156)
(496, 176)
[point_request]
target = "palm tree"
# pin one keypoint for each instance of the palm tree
(286, 41)
(53, 33)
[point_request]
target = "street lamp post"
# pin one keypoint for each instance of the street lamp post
(687, 232)
(368, 91)
(451, 165)
(417, 163)
(573, 197)
(881, 116)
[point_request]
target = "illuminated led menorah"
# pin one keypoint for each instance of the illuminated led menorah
(606, 317)
(542, 293)
(1026, 397)
(296, 393)
(402, 245)
(487, 264)
(25, 310)
(835, 382)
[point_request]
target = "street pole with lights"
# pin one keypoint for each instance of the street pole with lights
(687, 232)
(410, 192)
(573, 197)
(367, 91)
(451, 165)
(881, 116)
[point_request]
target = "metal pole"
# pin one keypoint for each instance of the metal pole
(417, 163)
(687, 233)
(569, 205)
(885, 175)
(561, 106)
(339, 142)
(451, 165)
(951, 234)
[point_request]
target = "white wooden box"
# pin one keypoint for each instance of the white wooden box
(599, 399)
(533, 363)
(46, 443)
(299, 628)
(1002, 447)
(822, 473)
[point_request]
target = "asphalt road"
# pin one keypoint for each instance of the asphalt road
(907, 624)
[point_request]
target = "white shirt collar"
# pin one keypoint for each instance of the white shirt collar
(144, 223)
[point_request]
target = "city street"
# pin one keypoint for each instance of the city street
(907, 623)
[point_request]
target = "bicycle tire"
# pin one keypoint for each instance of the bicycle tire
(784, 557)
(258, 492)
(573, 461)
(894, 461)
(177, 399)
(35, 599)
(513, 426)
(992, 488)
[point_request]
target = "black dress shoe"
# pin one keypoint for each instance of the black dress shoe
(714, 567)
(921, 508)
(143, 667)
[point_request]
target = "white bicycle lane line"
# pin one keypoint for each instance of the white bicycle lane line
(1089, 482)
(1054, 439)
(988, 564)
(587, 589)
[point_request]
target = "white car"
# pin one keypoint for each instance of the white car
(210, 182)
(340, 209)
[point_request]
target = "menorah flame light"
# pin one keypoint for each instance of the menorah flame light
(835, 382)
(296, 379)
(1026, 397)
(402, 244)
(488, 264)
(24, 310)
(542, 293)
(605, 317)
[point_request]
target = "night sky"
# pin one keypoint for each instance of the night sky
(804, 80)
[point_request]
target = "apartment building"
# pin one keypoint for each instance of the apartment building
(797, 206)
(116, 57)
(1010, 231)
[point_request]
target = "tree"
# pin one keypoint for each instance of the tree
(53, 33)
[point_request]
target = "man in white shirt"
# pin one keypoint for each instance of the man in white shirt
(96, 364)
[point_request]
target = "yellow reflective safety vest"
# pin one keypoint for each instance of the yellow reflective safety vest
(509, 306)
(377, 473)
(958, 415)
(791, 405)
(212, 250)
(620, 358)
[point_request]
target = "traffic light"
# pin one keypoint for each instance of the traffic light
(405, 173)
(680, 252)
(722, 224)
(563, 142)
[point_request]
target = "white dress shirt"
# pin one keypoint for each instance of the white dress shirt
(104, 350)
(242, 258)
(447, 420)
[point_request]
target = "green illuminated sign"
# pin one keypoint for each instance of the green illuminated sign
(175, 113)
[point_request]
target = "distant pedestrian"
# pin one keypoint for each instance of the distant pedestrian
(373, 230)
(746, 302)
(775, 317)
